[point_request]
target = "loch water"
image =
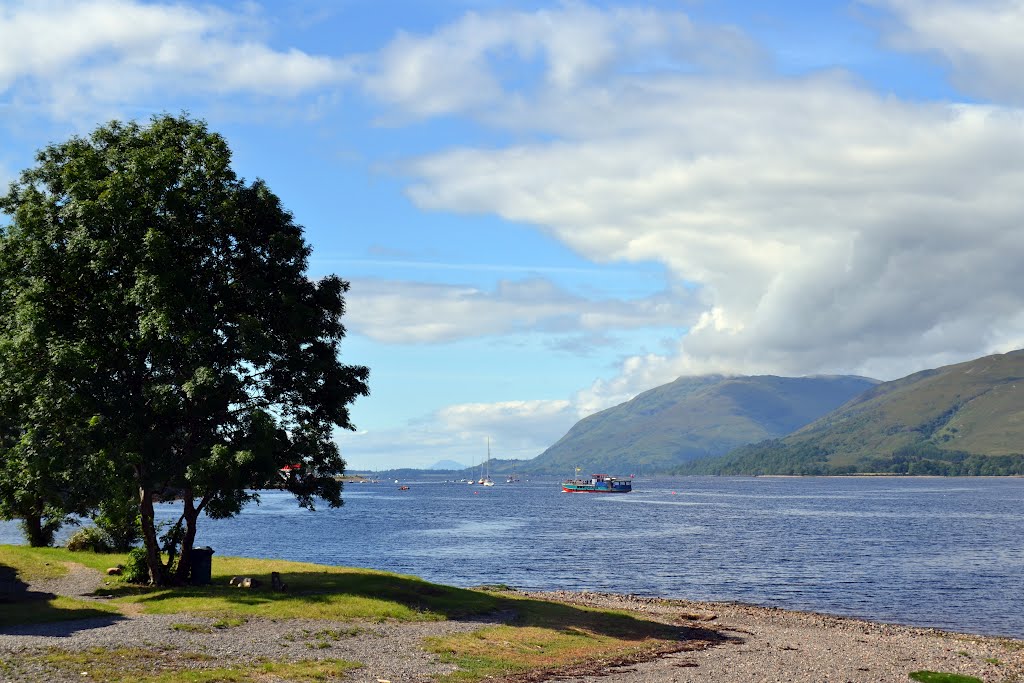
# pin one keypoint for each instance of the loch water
(939, 552)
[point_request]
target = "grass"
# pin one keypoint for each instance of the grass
(543, 637)
(936, 677)
(48, 610)
(314, 592)
(555, 637)
(137, 665)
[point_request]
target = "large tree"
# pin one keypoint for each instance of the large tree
(172, 307)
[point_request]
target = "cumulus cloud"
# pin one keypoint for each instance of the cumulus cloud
(830, 228)
(979, 40)
(460, 67)
(411, 313)
(71, 57)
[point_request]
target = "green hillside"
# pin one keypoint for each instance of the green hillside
(960, 419)
(694, 417)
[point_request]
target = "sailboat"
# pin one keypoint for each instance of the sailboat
(486, 479)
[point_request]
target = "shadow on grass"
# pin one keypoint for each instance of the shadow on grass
(28, 612)
(313, 588)
(310, 591)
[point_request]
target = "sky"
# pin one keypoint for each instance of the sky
(545, 208)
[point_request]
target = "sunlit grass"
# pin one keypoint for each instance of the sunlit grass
(49, 563)
(541, 636)
(937, 677)
(140, 665)
(551, 636)
(314, 592)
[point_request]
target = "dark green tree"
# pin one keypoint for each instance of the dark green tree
(45, 474)
(172, 304)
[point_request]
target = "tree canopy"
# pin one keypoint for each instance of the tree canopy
(160, 326)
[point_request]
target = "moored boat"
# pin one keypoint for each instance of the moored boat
(598, 483)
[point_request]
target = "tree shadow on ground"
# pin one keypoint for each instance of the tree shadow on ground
(322, 594)
(24, 611)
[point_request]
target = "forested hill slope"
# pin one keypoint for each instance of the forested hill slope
(694, 417)
(959, 419)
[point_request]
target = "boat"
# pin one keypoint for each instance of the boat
(486, 479)
(403, 488)
(598, 483)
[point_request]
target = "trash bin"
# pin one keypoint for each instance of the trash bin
(202, 566)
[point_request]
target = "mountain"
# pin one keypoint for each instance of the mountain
(966, 418)
(447, 465)
(694, 417)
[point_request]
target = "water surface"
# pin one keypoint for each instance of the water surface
(925, 551)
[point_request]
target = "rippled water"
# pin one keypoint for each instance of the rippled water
(924, 551)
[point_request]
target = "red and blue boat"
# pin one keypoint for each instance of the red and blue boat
(598, 483)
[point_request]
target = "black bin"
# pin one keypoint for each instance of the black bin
(202, 566)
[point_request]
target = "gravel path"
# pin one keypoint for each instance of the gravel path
(753, 644)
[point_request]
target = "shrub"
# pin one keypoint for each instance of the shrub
(90, 539)
(119, 519)
(136, 568)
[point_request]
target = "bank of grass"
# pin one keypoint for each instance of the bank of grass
(555, 637)
(540, 636)
(314, 592)
(139, 665)
(939, 677)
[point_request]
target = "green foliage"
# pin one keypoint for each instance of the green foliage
(91, 539)
(159, 333)
(136, 567)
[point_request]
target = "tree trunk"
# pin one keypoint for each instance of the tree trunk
(191, 516)
(35, 533)
(147, 518)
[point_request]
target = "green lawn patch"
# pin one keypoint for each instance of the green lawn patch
(556, 637)
(314, 592)
(139, 665)
(541, 637)
(936, 677)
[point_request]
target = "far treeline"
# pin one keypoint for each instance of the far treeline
(160, 337)
(775, 457)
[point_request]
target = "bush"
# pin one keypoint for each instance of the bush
(90, 539)
(136, 567)
(119, 519)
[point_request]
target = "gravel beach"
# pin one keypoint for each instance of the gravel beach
(740, 643)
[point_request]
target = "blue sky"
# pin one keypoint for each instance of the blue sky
(545, 208)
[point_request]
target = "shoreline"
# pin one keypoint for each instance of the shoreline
(724, 642)
(776, 644)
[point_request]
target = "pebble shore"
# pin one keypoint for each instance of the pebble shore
(749, 644)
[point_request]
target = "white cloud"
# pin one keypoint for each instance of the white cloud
(71, 57)
(463, 66)
(413, 313)
(980, 41)
(830, 228)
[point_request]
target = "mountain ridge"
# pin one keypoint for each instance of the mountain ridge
(693, 417)
(964, 418)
